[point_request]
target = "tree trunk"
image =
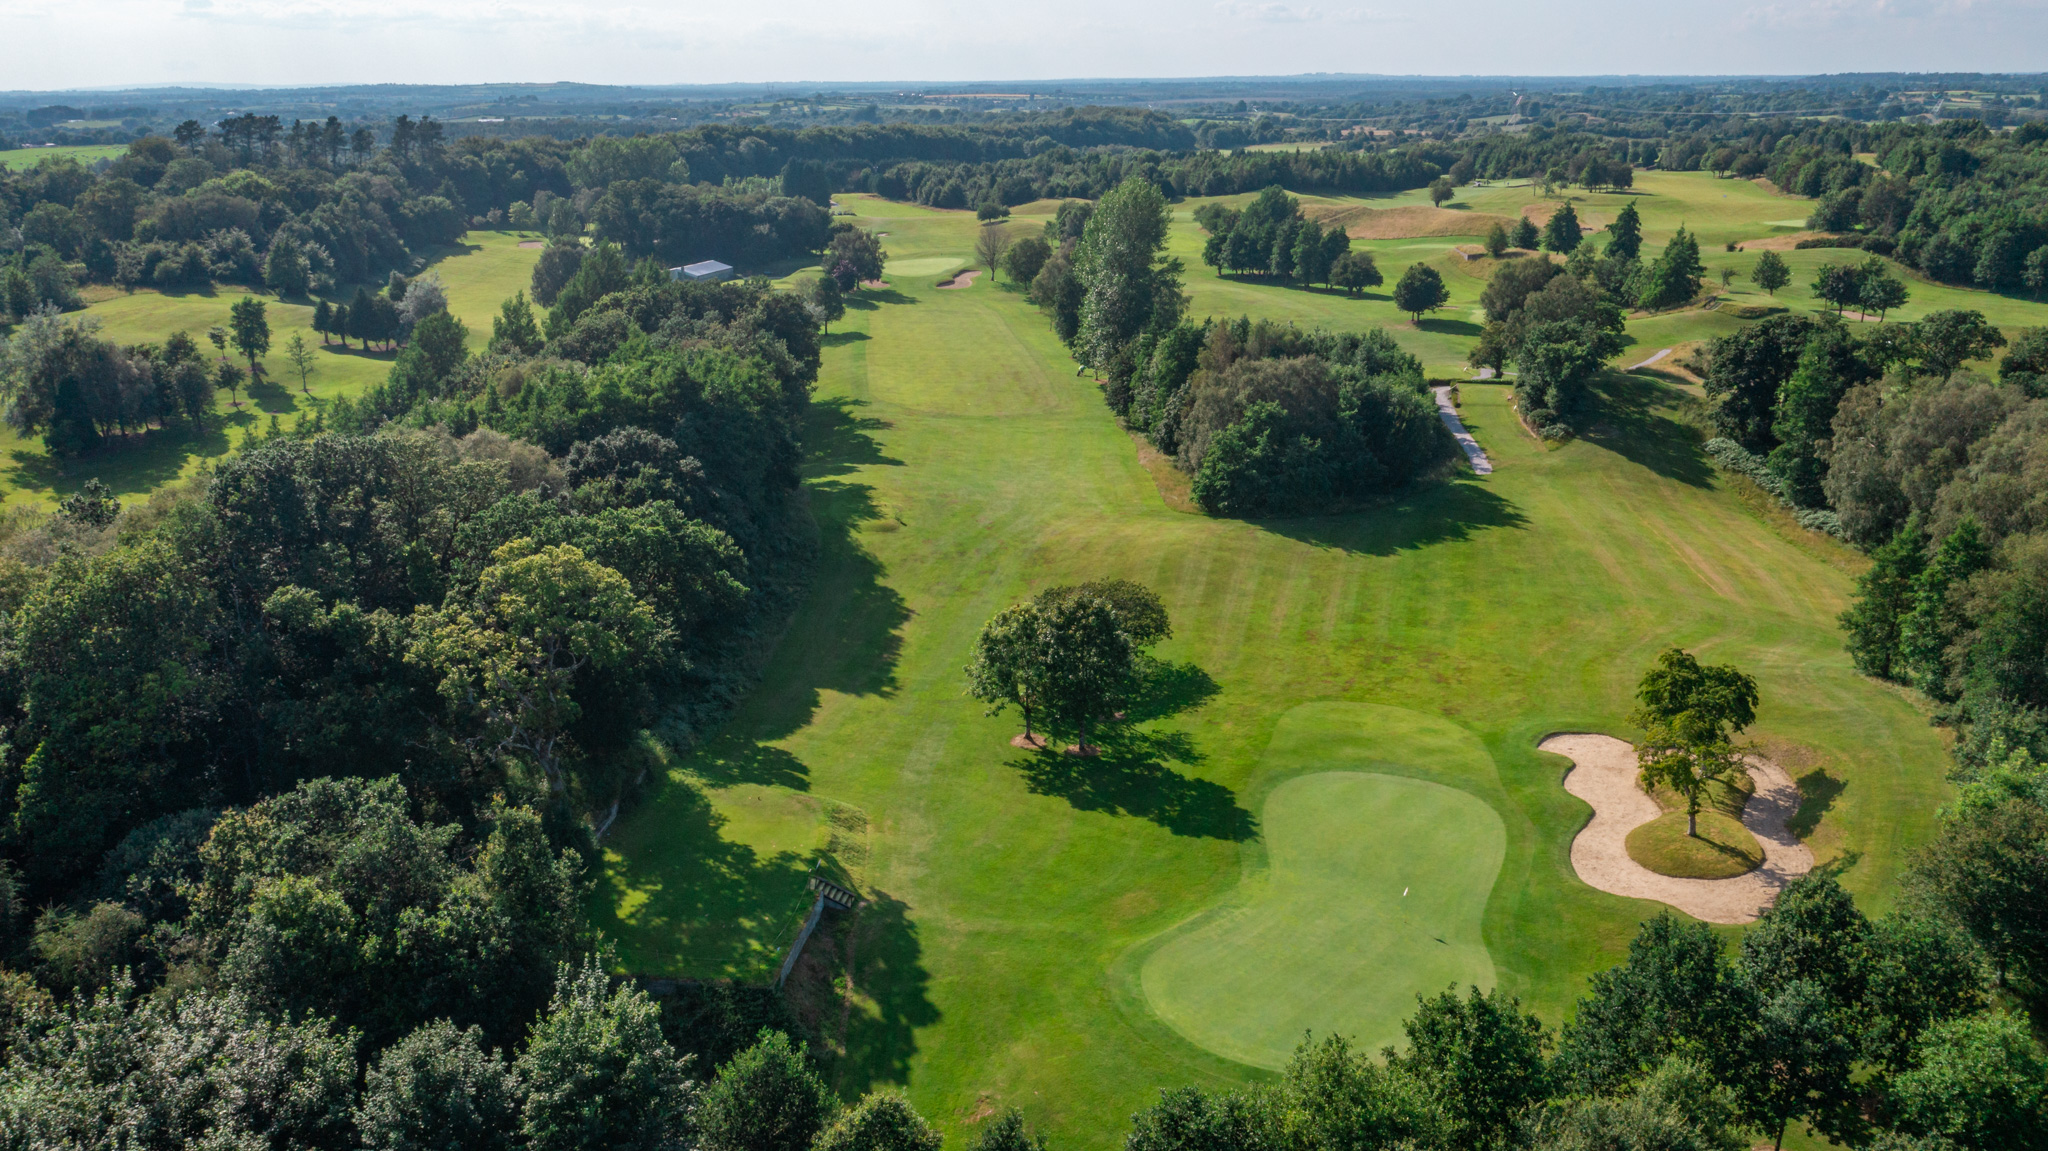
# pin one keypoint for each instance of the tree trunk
(1692, 821)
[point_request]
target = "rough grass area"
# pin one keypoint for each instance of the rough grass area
(1724, 848)
(957, 463)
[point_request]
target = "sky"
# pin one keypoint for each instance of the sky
(53, 44)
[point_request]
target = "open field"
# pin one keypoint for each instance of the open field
(479, 274)
(83, 153)
(1041, 929)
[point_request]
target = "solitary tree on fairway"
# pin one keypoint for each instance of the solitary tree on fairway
(1088, 668)
(1526, 236)
(825, 301)
(1139, 610)
(1877, 289)
(229, 376)
(251, 329)
(1441, 190)
(1690, 715)
(1355, 271)
(1771, 272)
(1836, 284)
(1496, 240)
(1562, 234)
(1626, 233)
(989, 247)
(1006, 662)
(301, 358)
(1420, 290)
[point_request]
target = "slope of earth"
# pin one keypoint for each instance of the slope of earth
(957, 463)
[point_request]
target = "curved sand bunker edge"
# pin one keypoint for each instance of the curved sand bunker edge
(1604, 775)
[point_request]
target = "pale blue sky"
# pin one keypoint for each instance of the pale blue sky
(66, 43)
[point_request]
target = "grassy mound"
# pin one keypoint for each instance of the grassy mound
(1723, 850)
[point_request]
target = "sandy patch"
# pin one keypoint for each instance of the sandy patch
(1540, 212)
(1604, 775)
(1786, 242)
(876, 284)
(963, 280)
(1032, 742)
(1406, 223)
(533, 243)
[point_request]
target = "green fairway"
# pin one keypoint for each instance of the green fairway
(83, 153)
(1373, 892)
(957, 463)
(482, 272)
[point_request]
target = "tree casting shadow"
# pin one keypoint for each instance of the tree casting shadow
(1817, 794)
(862, 988)
(1128, 778)
(1442, 513)
(710, 905)
(847, 635)
(1627, 422)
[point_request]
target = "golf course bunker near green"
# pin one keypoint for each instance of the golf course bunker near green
(1373, 892)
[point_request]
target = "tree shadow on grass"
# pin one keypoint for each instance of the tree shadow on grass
(132, 465)
(1436, 514)
(847, 635)
(1627, 422)
(701, 904)
(1817, 794)
(1448, 327)
(1130, 777)
(1169, 689)
(871, 299)
(841, 339)
(272, 397)
(865, 993)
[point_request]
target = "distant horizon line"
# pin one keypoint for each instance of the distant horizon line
(850, 85)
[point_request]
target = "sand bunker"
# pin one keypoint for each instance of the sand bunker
(533, 243)
(960, 281)
(1604, 775)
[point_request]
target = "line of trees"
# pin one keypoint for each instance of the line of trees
(1269, 237)
(1302, 420)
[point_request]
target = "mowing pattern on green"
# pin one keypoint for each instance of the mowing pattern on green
(1375, 895)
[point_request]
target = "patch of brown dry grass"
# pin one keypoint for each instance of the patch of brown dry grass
(1406, 223)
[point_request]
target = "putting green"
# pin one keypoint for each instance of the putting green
(1374, 892)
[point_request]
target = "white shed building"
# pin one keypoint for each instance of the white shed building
(703, 271)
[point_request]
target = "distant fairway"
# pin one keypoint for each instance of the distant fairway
(480, 273)
(1374, 895)
(83, 153)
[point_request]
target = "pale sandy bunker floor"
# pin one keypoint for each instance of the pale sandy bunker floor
(1605, 775)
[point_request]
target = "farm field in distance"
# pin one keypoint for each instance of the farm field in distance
(1064, 938)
